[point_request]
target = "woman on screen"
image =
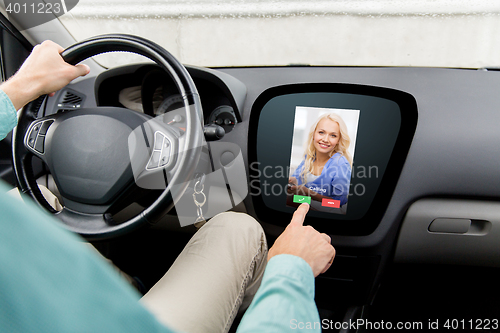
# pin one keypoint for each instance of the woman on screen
(325, 172)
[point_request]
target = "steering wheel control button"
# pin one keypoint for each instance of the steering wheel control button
(450, 226)
(165, 156)
(45, 127)
(154, 161)
(161, 152)
(32, 138)
(40, 142)
(158, 140)
(36, 138)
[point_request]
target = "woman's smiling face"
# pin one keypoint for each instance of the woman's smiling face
(326, 136)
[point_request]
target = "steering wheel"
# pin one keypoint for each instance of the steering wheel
(99, 155)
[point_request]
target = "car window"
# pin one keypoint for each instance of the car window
(451, 33)
(13, 51)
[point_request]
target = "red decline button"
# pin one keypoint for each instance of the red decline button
(330, 203)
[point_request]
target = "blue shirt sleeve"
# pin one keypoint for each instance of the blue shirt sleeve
(50, 282)
(8, 115)
(285, 299)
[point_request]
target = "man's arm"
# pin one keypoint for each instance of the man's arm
(304, 242)
(43, 72)
(285, 300)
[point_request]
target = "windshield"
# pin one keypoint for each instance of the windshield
(222, 33)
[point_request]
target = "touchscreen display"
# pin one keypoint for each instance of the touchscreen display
(321, 161)
(339, 147)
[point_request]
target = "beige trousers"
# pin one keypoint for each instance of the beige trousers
(217, 273)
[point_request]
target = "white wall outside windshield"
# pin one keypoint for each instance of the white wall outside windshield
(443, 33)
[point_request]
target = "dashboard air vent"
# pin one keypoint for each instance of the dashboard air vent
(70, 100)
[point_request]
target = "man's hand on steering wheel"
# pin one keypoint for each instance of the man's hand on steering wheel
(43, 72)
(100, 156)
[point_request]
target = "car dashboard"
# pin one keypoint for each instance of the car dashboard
(435, 199)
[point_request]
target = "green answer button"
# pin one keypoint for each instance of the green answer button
(301, 199)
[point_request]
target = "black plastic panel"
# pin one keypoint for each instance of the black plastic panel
(348, 281)
(387, 123)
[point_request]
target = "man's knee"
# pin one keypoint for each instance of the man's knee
(238, 229)
(237, 223)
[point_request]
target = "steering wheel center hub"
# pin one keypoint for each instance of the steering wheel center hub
(89, 156)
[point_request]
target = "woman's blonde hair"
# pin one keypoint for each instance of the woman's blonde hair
(341, 147)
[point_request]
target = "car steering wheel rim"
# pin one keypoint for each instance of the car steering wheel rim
(98, 226)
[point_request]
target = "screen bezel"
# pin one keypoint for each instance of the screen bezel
(371, 219)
